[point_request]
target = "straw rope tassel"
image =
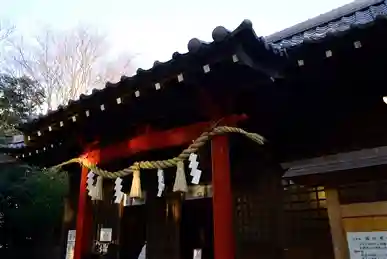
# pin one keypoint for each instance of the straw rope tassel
(98, 191)
(180, 181)
(135, 191)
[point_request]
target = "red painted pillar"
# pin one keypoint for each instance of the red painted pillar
(84, 220)
(224, 244)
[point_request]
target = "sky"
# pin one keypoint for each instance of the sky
(153, 30)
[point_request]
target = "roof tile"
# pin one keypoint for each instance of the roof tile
(356, 13)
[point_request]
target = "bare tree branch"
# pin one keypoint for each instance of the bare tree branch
(67, 63)
(6, 30)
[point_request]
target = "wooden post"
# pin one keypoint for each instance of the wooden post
(84, 220)
(340, 246)
(224, 245)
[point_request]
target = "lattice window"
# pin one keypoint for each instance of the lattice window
(309, 200)
(306, 220)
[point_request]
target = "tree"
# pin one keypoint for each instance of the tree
(31, 200)
(20, 98)
(67, 63)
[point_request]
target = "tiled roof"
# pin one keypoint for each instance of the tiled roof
(359, 12)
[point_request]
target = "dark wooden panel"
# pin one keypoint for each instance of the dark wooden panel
(370, 191)
(132, 231)
(163, 229)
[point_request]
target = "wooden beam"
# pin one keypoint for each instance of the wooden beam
(156, 140)
(224, 243)
(339, 240)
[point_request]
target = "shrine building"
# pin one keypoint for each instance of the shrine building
(243, 147)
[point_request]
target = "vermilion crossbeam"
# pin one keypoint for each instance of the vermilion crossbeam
(156, 140)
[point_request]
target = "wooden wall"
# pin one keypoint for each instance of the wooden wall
(355, 207)
(360, 217)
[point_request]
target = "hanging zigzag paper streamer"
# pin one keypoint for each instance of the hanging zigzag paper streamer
(161, 186)
(118, 190)
(90, 181)
(193, 165)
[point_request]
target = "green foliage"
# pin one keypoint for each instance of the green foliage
(32, 204)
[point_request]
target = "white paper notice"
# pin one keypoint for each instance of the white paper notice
(106, 235)
(367, 245)
(70, 244)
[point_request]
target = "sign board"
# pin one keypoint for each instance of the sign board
(367, 245)
(198, 192)
(128, 201)
(70, 244)
(105, 235)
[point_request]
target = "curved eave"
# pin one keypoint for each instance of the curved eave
(200, 53)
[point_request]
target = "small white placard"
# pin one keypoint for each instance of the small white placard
(71, 235)
(106, 235)
(197, 254)
(367, 245)
(70, 244)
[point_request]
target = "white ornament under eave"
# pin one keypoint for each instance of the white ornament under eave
(193, 165)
